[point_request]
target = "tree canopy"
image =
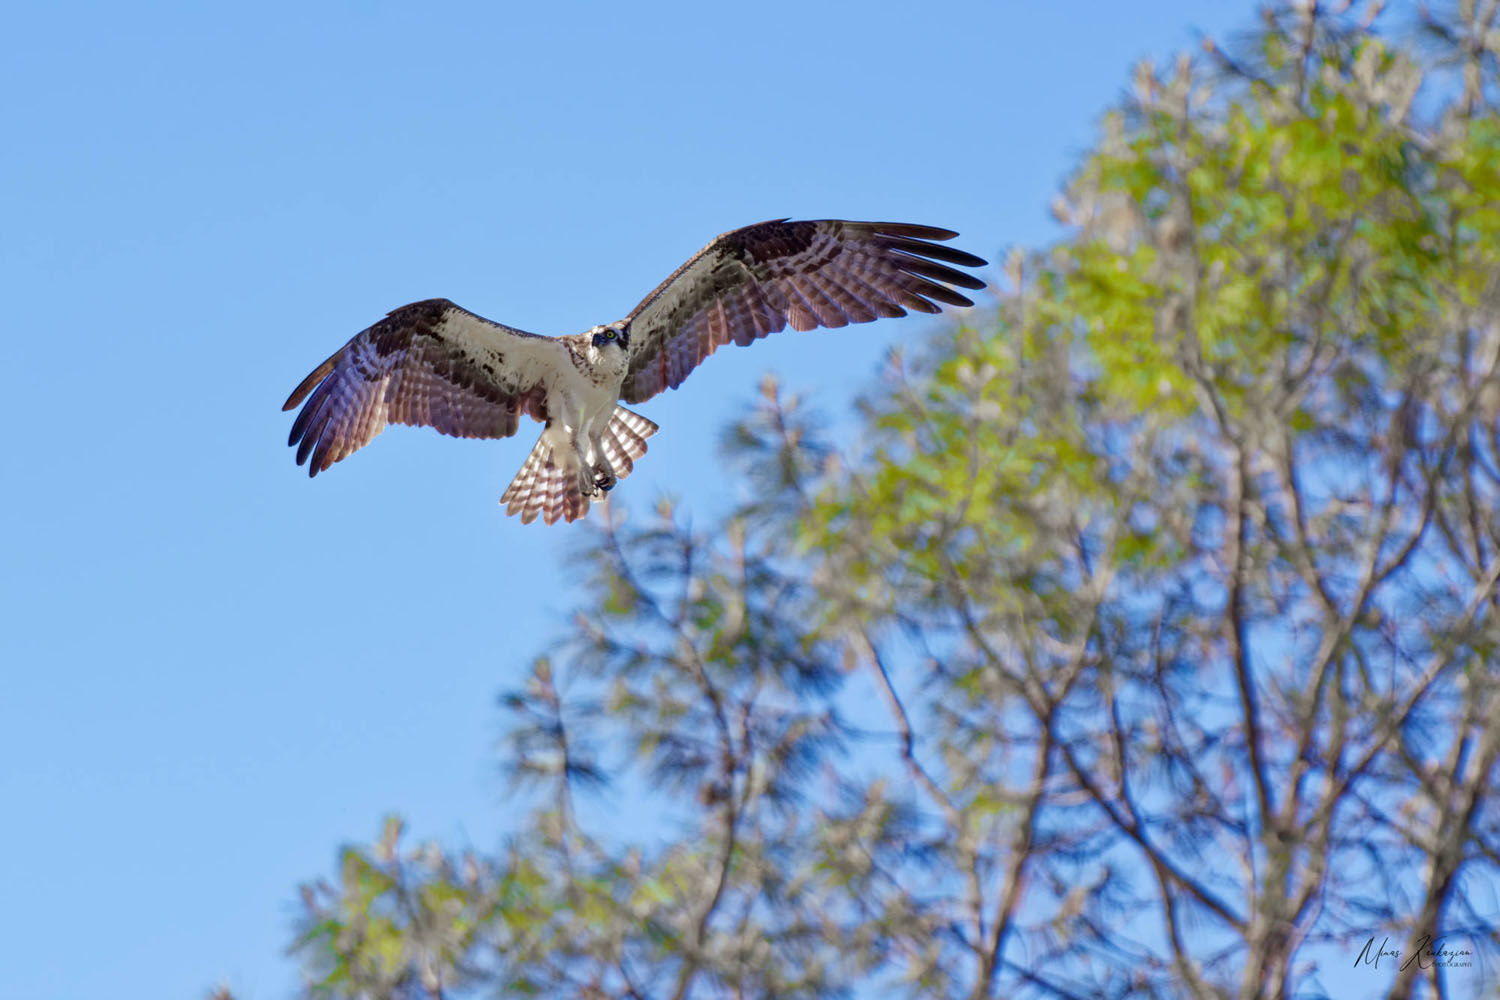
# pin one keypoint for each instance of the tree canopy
(1144, 643)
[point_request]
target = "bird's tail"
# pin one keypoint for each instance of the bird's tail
(548, 483)
(625, 439)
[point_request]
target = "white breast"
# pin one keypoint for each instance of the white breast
(582, 398)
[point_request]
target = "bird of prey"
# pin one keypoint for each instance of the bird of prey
(433, 363)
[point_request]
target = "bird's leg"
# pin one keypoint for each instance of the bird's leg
(595, 480)
(580, 466)
(585, 474)
(604, 476)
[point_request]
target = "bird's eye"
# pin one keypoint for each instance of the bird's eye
(609, 335)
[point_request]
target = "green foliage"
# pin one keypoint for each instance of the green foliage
(1146, 645)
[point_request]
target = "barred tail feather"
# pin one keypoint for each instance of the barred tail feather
(545, 487)
(625, 439)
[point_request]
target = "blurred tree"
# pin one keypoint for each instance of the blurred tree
(1148, 647)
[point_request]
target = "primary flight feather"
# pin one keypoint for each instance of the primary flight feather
(435, 364)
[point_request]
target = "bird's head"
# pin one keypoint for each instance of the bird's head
(617, 334)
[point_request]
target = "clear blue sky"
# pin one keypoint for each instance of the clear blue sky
(215, 670)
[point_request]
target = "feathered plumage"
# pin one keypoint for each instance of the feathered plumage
(435, 364)
(753, 281)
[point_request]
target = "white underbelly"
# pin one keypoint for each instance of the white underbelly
(580, 412)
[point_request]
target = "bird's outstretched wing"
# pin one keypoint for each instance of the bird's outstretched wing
(753, 281)
(428, 363)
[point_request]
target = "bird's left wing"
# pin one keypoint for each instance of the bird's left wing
(428, 363)
(753, 281)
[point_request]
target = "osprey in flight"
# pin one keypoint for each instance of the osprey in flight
(436, 364)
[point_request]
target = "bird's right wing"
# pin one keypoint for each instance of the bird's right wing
(429, 363)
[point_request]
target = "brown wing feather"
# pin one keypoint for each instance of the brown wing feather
(429, 363)
(760, 279)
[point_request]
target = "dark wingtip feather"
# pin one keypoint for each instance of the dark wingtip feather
(938, 272)
(964, 259)
(310, 383)
(944, 294)
(910, 229)
(305, 447)
(307, 417)
(320, 460)
(948, 255)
